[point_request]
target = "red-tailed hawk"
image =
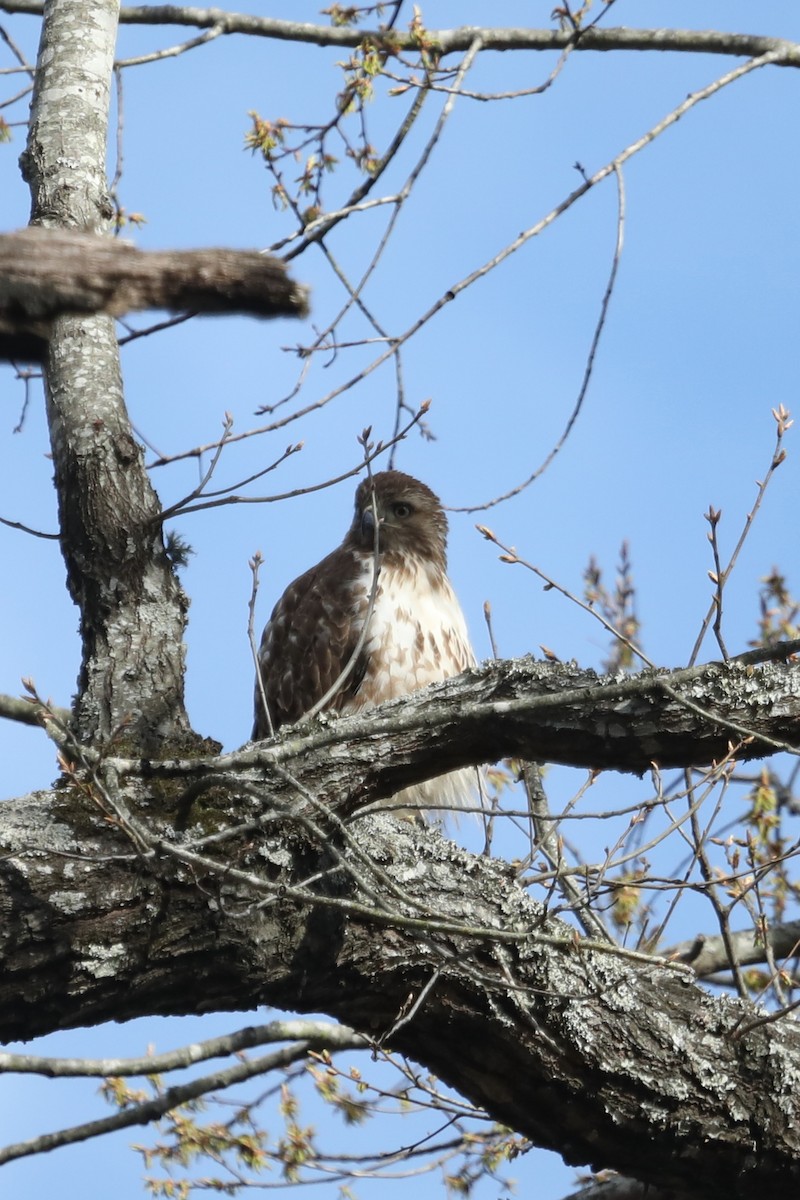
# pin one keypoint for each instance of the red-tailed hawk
(315, 653)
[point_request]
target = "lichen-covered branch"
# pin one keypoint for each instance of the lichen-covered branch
(527, 709)
(603, 1056)
(710, 955)
(229, 883)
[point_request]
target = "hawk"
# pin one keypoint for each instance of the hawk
(341, 639)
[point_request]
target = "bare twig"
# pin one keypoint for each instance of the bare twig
(784, 423)
(612, 167)
(324, 224)
(510, 556)
(712, 888)
(255, 565)
(27, 529)
(151, 1110)
(171, 51)
(587, 374)
(320, 1033)
(549, 844)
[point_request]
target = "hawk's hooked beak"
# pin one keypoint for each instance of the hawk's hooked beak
(368, 526)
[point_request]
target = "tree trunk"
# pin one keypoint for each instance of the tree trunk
(132, 609)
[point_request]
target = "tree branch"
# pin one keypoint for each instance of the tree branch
(47, 272)
(133, 610)
(151, 1110)
(619, 1188)
(618, 1062)
(709, 955)
(321, 1034)
(221, 884)
(30, 712)
(522, 708)
(450, 41)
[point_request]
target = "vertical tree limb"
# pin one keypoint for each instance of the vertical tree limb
(132, 609)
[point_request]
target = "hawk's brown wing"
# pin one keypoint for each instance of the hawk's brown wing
(311, 636)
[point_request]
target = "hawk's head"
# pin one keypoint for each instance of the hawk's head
(410, 518)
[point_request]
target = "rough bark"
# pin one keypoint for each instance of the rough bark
(618, 1188)
(47, 272)
(523, 708)
(118, 899)
(609, 1059)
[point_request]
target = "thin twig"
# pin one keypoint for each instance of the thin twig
(150, 1110)
(27, 529)
(549, 844)
(171, 51)
(322, 1033)
(255, 564)
(510, 556)
(770, 58)
(588, 370)
(712, 890)
(408, 1014)
(784, 423)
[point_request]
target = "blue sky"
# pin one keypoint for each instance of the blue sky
(700, 344)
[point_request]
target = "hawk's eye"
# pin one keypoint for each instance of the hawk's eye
(402, 510)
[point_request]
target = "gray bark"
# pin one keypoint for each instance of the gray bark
(120, 900)
(540, 711)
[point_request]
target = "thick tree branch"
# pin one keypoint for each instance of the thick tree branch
(523, 708)
(450, 41)
(47, 272)
(109, 911)
(609, 1060)
(132, 607)
(520, 708)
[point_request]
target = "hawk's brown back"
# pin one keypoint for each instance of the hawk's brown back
(307, 643)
